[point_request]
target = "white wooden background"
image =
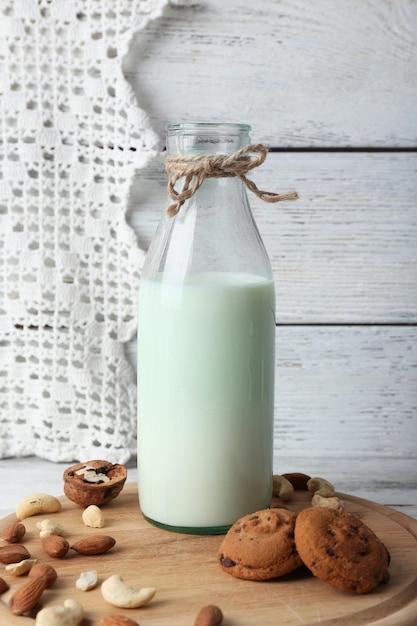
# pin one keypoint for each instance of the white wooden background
(331, 87)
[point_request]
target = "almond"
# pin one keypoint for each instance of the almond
(55, 546)
(26, 597)
(97, 544)
(117, 620)
(209, 615)
(3, 585)
(13, 533)
(42, 570)
(13, 553)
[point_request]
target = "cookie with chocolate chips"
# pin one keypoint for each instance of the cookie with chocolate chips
(260, 546)
(340, 549)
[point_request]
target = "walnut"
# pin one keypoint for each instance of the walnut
(94, 482)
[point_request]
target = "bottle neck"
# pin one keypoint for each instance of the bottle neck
(209, 226)
(200, 138)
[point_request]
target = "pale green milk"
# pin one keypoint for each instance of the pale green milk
(205, 398)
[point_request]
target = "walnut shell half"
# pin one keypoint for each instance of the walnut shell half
(94, 482)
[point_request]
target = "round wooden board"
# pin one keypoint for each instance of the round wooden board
(184, 570)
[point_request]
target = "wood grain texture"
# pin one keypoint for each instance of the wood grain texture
(303, 74)
(185, 572)
(346, 391)
(344, 252)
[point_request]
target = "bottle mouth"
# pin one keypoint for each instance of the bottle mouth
(206, 137)
(208, 127)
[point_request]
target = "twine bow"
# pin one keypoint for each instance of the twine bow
(195, 169)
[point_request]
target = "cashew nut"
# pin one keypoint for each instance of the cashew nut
(37, 503)
(70, 614)
(91, 475)
(87, 580)
(48, 527)
(116, 592)
(17, 569)
(330, 502)
(281, 487)
(93, 516)
(321, 486)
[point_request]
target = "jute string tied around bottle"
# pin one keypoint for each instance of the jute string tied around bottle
(195, 169)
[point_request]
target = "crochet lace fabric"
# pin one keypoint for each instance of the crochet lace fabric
(71, 139)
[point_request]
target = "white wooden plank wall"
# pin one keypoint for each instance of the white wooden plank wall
(331, 86)
(323, 73)
(345, 252)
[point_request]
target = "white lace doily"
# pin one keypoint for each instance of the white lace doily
(72, 136)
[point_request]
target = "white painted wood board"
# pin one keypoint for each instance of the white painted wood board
(346, 391)
(345, 252)
(328, 73)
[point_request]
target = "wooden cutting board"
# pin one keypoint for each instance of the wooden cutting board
(184, 570)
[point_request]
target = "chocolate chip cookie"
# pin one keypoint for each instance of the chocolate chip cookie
(340, 549)
(260, 546)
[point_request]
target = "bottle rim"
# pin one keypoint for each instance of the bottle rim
(208, 127)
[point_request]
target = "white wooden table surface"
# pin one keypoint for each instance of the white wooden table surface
(387, 481)
(332, 87)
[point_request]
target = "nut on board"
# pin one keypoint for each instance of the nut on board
(14, 532)
(13, 553)
(94, 482)
(96, 544)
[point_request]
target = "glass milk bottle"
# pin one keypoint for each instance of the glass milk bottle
(206, 351)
